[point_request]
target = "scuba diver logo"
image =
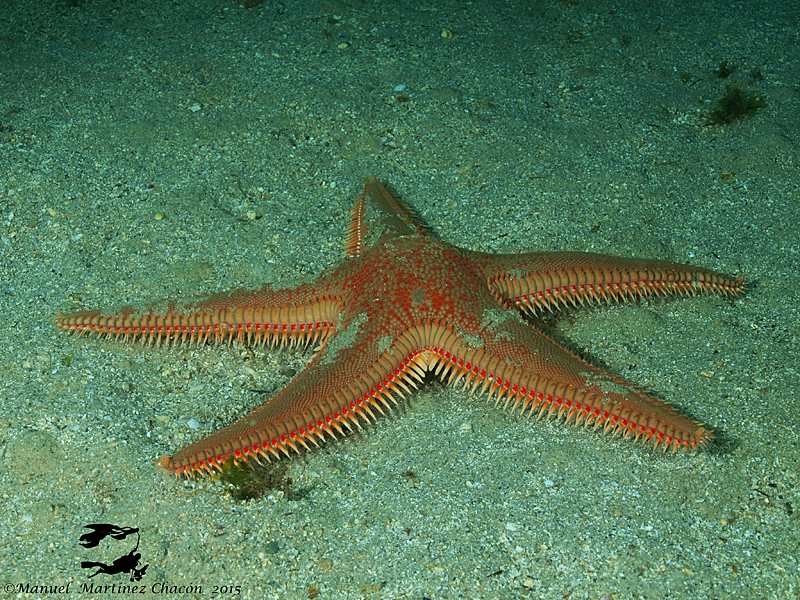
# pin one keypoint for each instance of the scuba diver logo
(128, 563)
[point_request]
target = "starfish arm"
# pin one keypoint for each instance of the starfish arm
(523, 368)
(306, 314)
(346, 383)
(533, 282)
(375, 214)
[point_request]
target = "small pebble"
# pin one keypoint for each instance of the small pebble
(272, 548)
(400, 87)
(193, 424)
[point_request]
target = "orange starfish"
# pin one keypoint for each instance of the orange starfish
(402, 304)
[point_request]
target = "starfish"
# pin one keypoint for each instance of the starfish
(402, 304)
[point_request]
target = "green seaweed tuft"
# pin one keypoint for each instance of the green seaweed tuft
(725, 70)
(733, 105)
(247, 481)
(236, 480)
